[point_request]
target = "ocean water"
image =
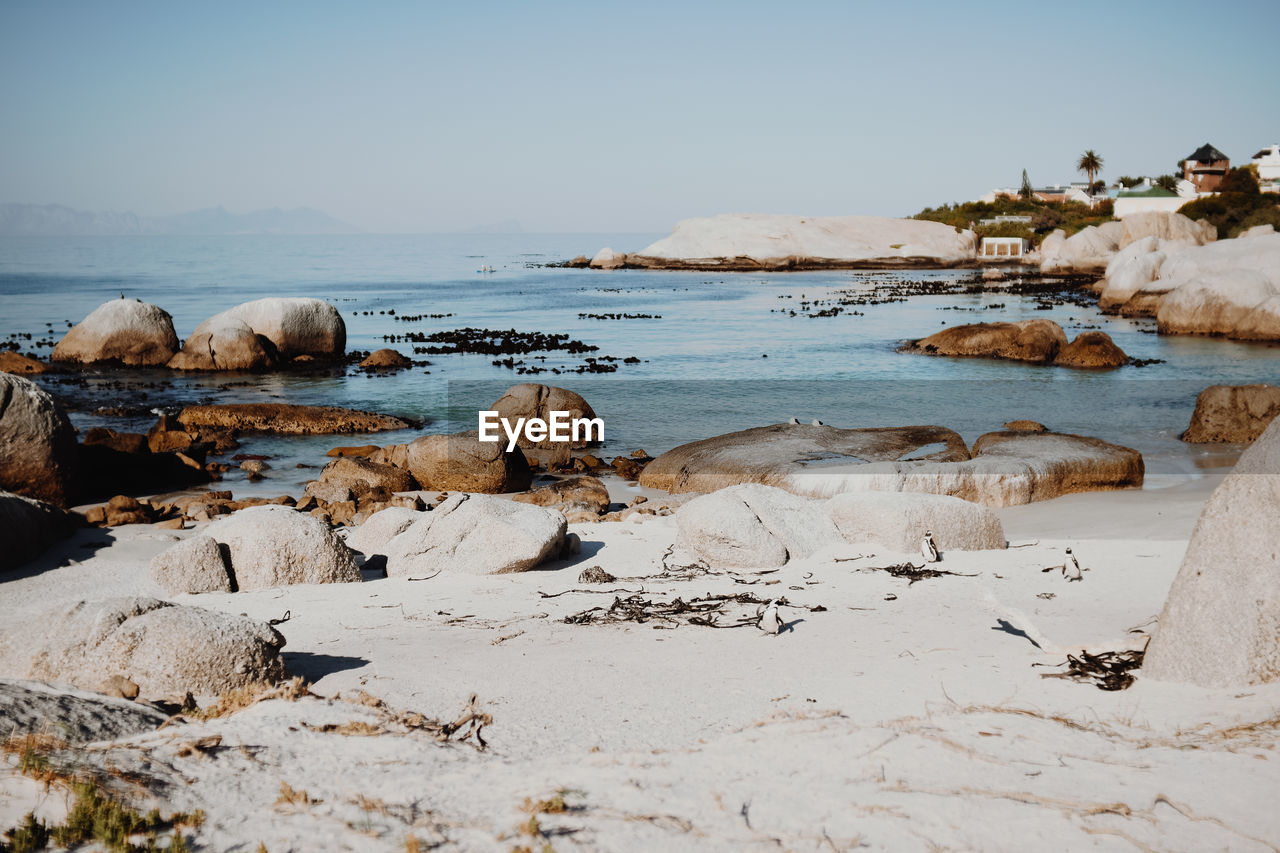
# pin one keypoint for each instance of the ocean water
(719, 352)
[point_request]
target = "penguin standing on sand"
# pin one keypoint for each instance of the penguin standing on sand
(928, 549)
(770, 619)
(1071, 568)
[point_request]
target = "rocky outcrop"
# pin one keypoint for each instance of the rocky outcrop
(608, 259)
(773, 455)
(476, 534)
(353, 477)
(28, 527)
(1242, 304)
(1036, 341)
(1091, 249)
(268, 546)
(1132, 286)
(385, 359)
(529, 400)
(371, 537)
(1091, 350)
(194, 565)
(122, 331)
(572, 495)
(1220, 626)
(899, 520)
(775, 242)
(1006, 469)
(167, 650)
(38, 454)
(295, 325)
(78, 716)
(225, 343)
(286, 419)
(1233, 413)
(461, 462)
(12, 362)
(753, 526)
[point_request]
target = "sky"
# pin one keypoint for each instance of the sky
(612, 117)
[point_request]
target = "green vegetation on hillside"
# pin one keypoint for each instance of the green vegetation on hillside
(1070, 216)
(1238, 206)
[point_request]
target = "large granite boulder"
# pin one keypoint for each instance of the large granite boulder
(1006, 469)
(608, 259)
(1243, 304)
(1233, 413)
(194, 565)
(270, 546)
(123, 331)
(478, 535)
(1092, 249)
(752, 526)
(1036, 341)
(167, 650)
(359, 476)
(371, 537)
(296, 325)
(530, 400)
(760, 241)
(28, 527)
(571, 495)
(899, 520)
(286, 419)
(461, 462)
(1091, 350)
(1133, 286)
(38, 453)
(225, 343)
(1220, 626)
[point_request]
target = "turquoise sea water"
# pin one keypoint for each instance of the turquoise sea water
(722, 353)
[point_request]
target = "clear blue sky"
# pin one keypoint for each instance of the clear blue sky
(601, 116)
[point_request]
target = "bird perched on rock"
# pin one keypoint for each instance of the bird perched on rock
(793, 420)
(817, 422)
(770, 619)
(1071, 568)
(928, 549)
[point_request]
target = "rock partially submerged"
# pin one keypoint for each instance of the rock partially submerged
(476, 534)
(28, 527)
(1233, 413)
(1036, 341)
(226, 343)
(1091, 351)
(38, 453)
(761, 241)
(385, 359)
(121, 331)
(270, 546)
(12, 362)
(899, 521)
(167, 650)
(530, 400)
(286, 419)
(295, 325)
(1006, 469)
(1220, 626)
(461, 462)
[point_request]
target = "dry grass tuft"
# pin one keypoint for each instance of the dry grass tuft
(293, 797)
(250, 695)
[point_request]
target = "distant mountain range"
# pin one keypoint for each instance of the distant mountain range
(57, 220)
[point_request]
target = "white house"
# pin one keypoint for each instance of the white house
(1268, 162)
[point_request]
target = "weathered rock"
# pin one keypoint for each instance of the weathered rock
(773, 454)
(574, 494)
(1237, 303)
(759, 241)
(192, 566)
(225, 343)
(372, 536)
(126, 331)
(276, 545)
(1026, 426)
(168, 650)
(461, 462)
(78, 716)
(608, 259)
(1233, 413)
(360, 476)
(529, 400)
(385, 359)
(1091, 350)
(1220, 626)
(1060, 464)
(286, 419)
(298, 326)
(754, 526)
(1132, 285)
(125, 442)
(38, 455)
(1092, 249)
(476, 534)
(899, 520)
(28, 527)
(12, 362)
(363, 451)
(1036, 341)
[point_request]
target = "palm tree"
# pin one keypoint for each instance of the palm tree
(1090, 163)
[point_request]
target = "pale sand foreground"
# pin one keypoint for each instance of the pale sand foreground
(915, 723)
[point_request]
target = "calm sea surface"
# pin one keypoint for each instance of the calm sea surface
(702, 366)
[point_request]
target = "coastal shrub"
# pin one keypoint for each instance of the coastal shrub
(1071, 216)
(1239, 205)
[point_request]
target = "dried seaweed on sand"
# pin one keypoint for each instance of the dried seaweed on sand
(709, 611)
(1108, 670)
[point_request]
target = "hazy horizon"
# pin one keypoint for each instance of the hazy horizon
(576, 118)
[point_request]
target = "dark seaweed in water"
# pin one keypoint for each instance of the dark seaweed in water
(496, 342)
(1108, 670)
